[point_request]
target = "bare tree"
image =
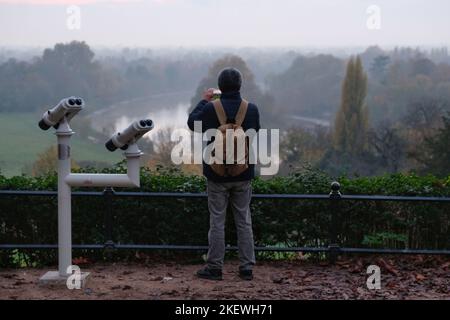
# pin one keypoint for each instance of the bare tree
(388, 145)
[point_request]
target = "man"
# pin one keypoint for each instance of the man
(224, 189)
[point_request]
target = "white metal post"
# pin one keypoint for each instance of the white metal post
(64, 132)
(66, 180)
(130, 180)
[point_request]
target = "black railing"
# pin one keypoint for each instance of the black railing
(333, 249)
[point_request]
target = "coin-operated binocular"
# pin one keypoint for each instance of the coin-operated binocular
(58, 117)
(130, 135)
(66, 108)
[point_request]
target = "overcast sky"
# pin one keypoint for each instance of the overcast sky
(190, 23)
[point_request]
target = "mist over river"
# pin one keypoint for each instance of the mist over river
(167, 110)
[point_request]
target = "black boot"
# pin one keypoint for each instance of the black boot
(210, 274)
(246, 275)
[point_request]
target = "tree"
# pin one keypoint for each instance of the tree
(309, 87)
(300, 146)
(70, 69)
(47, 162)
(351, 124)
(379, 67)
(161, 156)
(422, 66)
(436, 152)
(388, 146)
(163, 146)
(61, 71)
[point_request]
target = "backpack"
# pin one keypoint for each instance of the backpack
(238, 164)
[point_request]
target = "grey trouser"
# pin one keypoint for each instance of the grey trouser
(239, 194)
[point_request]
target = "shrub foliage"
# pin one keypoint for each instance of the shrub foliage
(33, 219)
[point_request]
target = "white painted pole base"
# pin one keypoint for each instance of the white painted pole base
(64, 132)
(53, 278)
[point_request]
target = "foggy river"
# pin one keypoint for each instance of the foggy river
(167, 110)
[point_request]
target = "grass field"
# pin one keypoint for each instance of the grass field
(21, 140)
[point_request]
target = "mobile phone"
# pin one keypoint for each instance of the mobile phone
(216, 94)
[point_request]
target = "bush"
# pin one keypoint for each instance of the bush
(33, 219)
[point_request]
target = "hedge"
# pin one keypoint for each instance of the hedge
(33, 219)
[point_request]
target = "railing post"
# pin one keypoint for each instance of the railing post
(333, 246)
(109, 245)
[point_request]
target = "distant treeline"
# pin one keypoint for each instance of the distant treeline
(396, 79)
(71, 69)
(294, 84)
(390, 114)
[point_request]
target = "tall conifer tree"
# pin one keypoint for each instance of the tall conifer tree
(351, 124)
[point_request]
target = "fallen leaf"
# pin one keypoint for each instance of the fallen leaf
(78, 261)
(389, 268)
(170, 292)
(278, 279)
(391, 285)
(420, 277)
(358, 267)
(361, 291)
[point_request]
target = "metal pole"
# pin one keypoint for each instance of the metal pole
(64, 132)
(108, 193)
(335, 196)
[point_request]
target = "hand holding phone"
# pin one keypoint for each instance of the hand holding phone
(208, 94)
(216, 94)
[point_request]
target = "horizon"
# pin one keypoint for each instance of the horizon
(27, 52)
(203, 24)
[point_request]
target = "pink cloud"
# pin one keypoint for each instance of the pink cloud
(64, 2)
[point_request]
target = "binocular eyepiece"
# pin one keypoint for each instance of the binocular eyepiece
(75, 101)
(147, 122)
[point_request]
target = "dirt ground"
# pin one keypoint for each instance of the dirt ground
(401, 278)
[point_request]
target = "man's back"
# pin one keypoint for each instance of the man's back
(206, 113)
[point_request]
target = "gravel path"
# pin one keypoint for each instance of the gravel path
(401, 278)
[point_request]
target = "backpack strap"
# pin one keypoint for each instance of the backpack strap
(220, 112)
(222, 116)
(240, 115)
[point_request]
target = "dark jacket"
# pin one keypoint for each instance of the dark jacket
(204, 111)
